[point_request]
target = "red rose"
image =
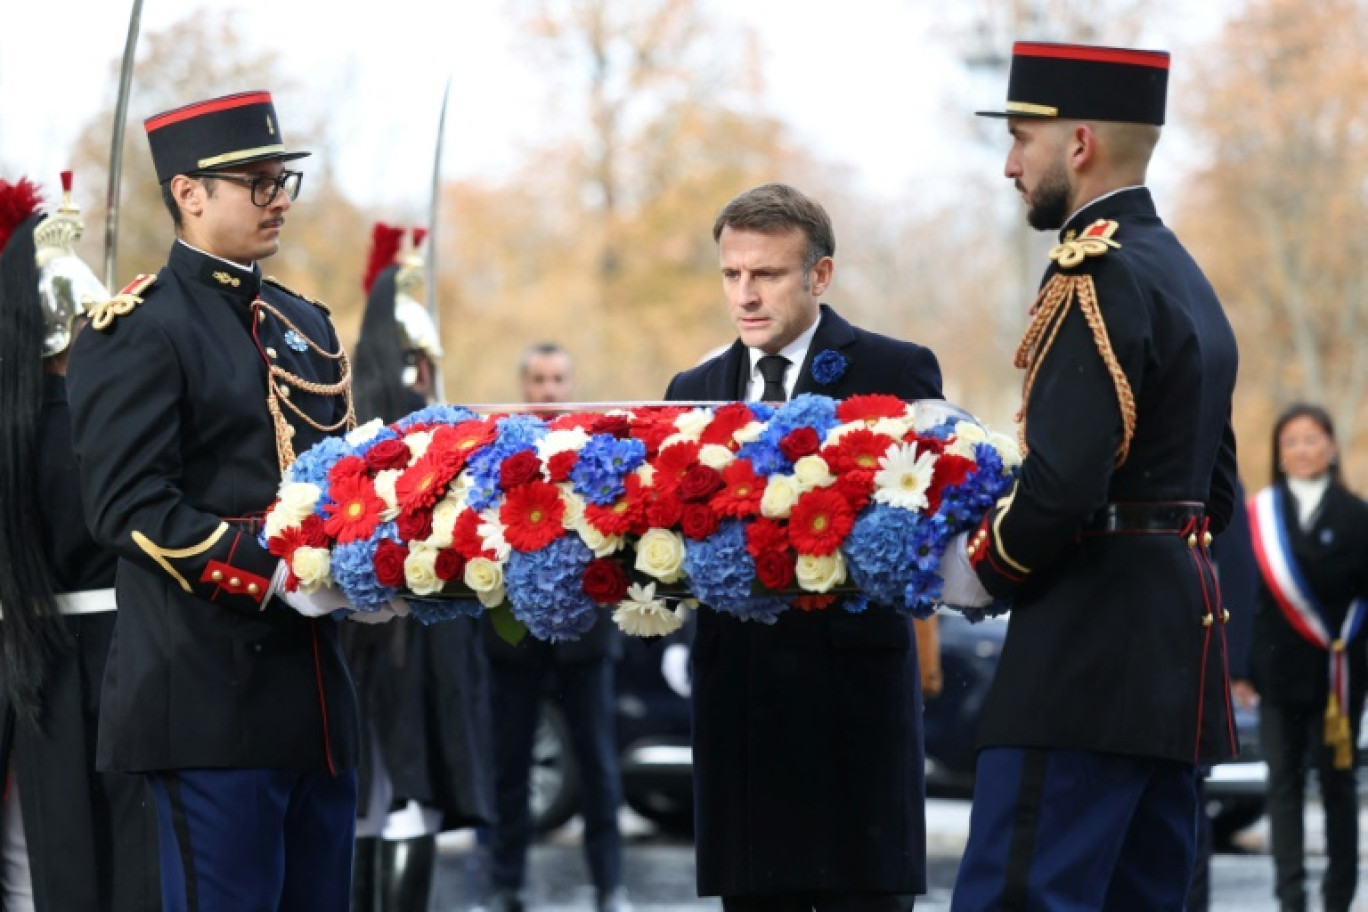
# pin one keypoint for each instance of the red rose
(605, 581)
(388, 454)
(800, 442)
(414, 526)
(449, 565)
(664, 511)
(389, 562)
(560, 465)
(698, 521)
(774, 569)
(518, 469)
(700, 483)
(613, 425)
(314, 533)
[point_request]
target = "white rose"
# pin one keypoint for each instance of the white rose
(574, 505)
(834, 435)
(967, 436)
(692, 423)
(781, 493)
(299, 499)
(420, 571)
(1007, 448)
(646, 473)
(813, 472)
(494, 597)
(820, 574)
(365, 432)
(418, 443)
(385, 482)
(716, 456)
(750, 433)
(660, 553)
(312, 566)
(892, 427)
(569, 440)
(483, 576)
(444, 516)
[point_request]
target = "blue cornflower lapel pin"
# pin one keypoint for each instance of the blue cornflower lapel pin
(829, 366)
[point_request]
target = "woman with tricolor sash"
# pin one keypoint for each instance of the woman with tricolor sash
(1308, 660)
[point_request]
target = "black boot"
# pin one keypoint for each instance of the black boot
(406, 869)
(364, 862)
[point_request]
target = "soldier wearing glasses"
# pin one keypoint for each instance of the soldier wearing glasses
(190, 393)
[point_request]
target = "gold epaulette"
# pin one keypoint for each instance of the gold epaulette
(102, 315)
(286, 288)
(1095, 240)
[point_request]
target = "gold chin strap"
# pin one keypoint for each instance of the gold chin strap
(278, 384)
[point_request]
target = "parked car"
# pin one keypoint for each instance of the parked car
(653, 737)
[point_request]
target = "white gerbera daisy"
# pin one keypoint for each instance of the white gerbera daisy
(642, 614)
(904, 476)
(491, 532)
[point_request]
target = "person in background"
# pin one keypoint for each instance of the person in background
(808, 767)
(1111, 689)
(427, 757)
(71, 839)
(191, 393)
(579, 677)
(1308, 671)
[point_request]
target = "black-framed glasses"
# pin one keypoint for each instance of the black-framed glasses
(264, 189)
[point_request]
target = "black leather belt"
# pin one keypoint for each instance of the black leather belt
(1170, 516)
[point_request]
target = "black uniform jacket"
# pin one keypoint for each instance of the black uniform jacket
(807, 734)
(177, 452)
(1332, 556)
(1106, 648)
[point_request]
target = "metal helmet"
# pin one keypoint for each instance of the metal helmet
(67, 287)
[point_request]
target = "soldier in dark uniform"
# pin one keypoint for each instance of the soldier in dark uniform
(1112, 685)
(427, 762)
(807, 735)
(190, 393)
(90, 836)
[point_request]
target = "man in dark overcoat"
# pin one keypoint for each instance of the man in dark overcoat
(808, 768)
(1111, 688)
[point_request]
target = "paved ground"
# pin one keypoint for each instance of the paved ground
(659, 869)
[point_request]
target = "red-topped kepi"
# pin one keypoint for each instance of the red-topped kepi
(1086, 82)
(218, 133)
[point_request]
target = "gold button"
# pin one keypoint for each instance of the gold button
(1206, 621)
(289, 432)
(216, 575)
(1192, 540)
(253, 588)
(270, 352)
(235, 583)
(261, 316)
(1206, 539)
(285, 392)
(1225, 615)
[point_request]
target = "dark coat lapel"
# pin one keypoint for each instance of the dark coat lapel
(833, 332)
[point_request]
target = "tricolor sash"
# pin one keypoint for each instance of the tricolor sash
(1297, 601)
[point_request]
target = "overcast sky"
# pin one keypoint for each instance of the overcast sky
(863, 81)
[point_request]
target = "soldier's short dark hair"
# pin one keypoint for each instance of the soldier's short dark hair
(777, 208)
(173, 207)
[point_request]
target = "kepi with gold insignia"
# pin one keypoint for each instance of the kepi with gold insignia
(1084, 82)
(218, 133)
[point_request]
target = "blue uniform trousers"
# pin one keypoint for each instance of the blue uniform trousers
(1065, 830)
(255, 840)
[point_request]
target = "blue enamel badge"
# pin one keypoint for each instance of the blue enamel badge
(296, 341)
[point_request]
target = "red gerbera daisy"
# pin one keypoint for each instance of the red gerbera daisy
(423, 483)
(673, 463)
(765, 535)
(654, 426)
(532, 515)
(315, 535)
(664, 510)
(625, 515)
(857, 487)
(820, 521)
(743, 491)
(814, 602)
(465, 537)
(869, 408)
(726, 421)
(284, 544)
(468, 436)
(858, 450)
(356, 510)
(950, 470)
(347, 467)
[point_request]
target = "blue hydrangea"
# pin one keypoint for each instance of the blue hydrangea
(313, 464)
(807, 410)
(766, 458)
(435, 414)
(482, 468)
(517, 432)
(602, 465)
(433, 611)
(546, 592)
(721, 574)
(829, 366)
(856, 604)
(879, 552)
(353, 570)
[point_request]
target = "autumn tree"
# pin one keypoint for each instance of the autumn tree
(1278, 214)
(200, 57)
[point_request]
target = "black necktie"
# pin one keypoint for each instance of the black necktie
(772, 368)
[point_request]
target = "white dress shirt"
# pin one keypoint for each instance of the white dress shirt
(796, 352)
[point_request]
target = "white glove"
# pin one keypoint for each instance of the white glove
(962, 587)
(381, 616)
(320, 602)
(674, 666)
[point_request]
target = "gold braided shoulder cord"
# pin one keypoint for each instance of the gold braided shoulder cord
(1048, 313)
(278, 379)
